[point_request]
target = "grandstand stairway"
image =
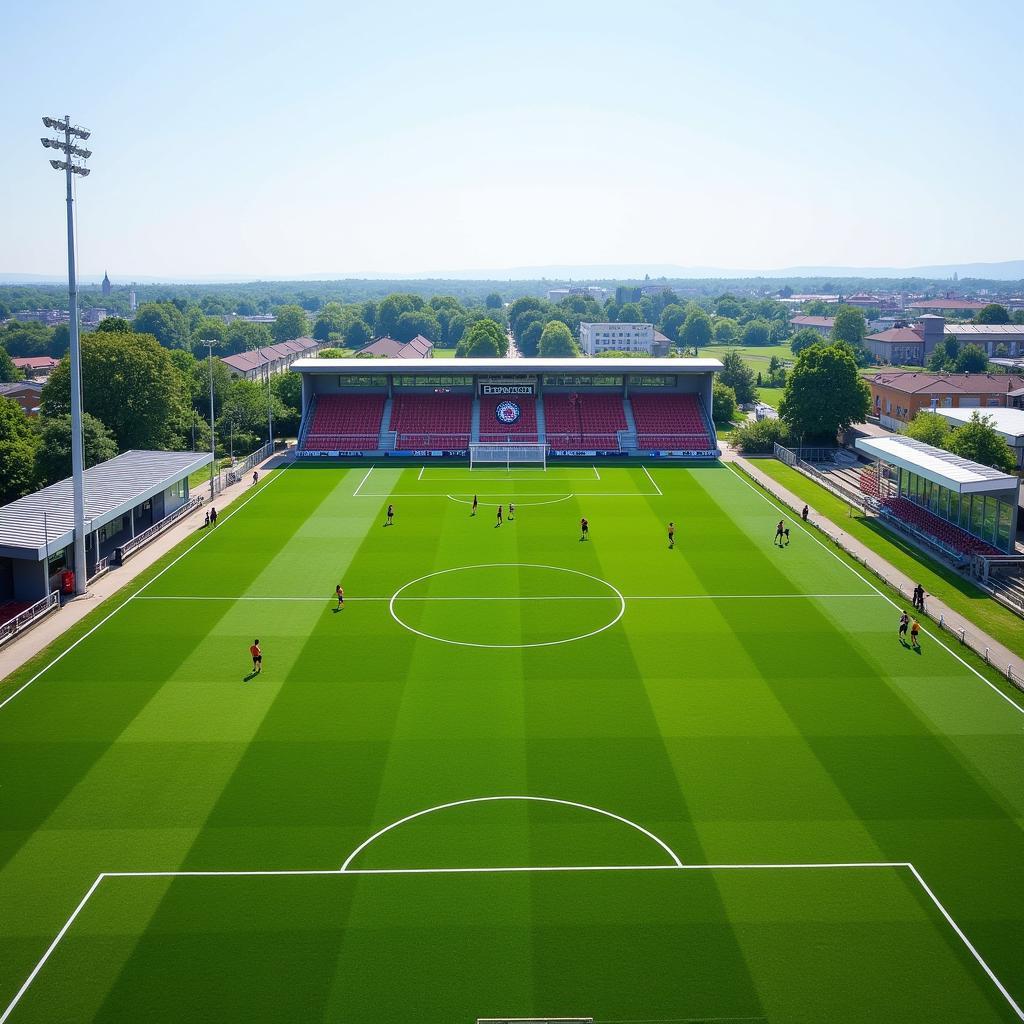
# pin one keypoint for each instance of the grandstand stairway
(627, 437)
(386, 438)
(542, 432)
(474, 423)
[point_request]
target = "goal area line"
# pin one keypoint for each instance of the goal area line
(338, 872)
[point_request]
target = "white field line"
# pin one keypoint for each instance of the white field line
(500, 799)
(420, 477)
(598, 475)
(967, 942)
(810, 866)
(653, 481)
(170, 565)
(330, 599)
(784, 509)
(356, 492)
(504, 496)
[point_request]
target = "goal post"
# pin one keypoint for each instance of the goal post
(508, 454)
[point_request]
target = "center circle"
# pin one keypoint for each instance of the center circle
(506, 605)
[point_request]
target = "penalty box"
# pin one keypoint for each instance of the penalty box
(751, 942)
(525, 482)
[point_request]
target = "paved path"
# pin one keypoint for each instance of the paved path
(15, 653)
(1009, 663)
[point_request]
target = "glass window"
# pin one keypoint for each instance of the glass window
(653, 381)
(991, 518)
(363, 380)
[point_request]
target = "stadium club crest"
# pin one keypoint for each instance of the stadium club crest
(507, 413)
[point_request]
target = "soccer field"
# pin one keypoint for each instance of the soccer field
(518, 774)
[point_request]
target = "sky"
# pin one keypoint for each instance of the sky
(309, 138)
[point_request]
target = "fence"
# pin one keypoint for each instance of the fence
(237, 472)
(129, 548)
(29, 617)
(836, 487)
(979, 644)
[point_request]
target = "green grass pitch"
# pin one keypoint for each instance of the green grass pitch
(518, 774)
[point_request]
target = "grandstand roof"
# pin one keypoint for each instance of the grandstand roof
(505, 367)
(111, 489)
(937, 465)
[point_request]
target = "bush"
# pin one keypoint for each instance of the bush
(760, 436)
(723, 403)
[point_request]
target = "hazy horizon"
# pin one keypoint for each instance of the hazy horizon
(330, 142)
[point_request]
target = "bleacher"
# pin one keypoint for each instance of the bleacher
(592, 421)
(670, 422)
(432, 421)
(492, 431)
(903, 510)
(345, 422)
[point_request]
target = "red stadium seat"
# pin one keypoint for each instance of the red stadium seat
(592, 421)
(906, 511)
(670, 421)
(345, 423)
(432, 421)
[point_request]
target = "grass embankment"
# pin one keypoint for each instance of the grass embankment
(939, 579)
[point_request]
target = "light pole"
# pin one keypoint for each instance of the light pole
(213, 437)
(70, 149)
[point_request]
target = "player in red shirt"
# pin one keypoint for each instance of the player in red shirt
(257, 657)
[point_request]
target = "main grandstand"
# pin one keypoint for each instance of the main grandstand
(572, 407)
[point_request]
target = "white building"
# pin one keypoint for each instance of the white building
(632, 338)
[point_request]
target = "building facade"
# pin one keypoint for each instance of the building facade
(270, 359)
(896, 398)
(632, 338)
(822, 324)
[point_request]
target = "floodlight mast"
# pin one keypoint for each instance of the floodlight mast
(71, 168)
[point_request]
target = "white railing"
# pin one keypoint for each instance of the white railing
(101, 567)
(129, 548)
(29, 616)
(237, 472)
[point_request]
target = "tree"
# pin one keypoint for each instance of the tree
(737, 375)
(529, 340)
(849, 326)
(757, 332)
(630, 313)
(493, 301)
(165, 322)
(817, 307)
(391, 308)
(291, 322)
(242, 336)
(246, 407)
(357, 334)
(672, 319)
(557, 342)
(929, 428)
(8, 371)
(993, 313)
(1018, 316)
(129, 382)
(978, 441)
(760, 436)
(728, 306)
(804, 338)
(330, 322)
(943, 357)
(824, 393)
(287, 388)
(723, 402)
(114, 325)
(417, 321)
(17, 452)
(518, 309)
(727, 331)
(53, 456)
(483, 340)
(971, 359)
(696, 331)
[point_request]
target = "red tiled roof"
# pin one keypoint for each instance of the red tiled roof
(35, 362)
(813, 321)
(418, 348)
(911, 383)
(898, 335)
(947, 304)
(254, 359)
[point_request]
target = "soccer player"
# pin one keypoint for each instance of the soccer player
(498, 523)
(390, 521)
(257, 657)
(779, 533)
(904, 626)
(207, 523)
(213, 517)
(511, 511)
(915, 629)
(339, 593)
(473, 513)
(804, 513)
(671, 535)
(584, 529)
(255, 478)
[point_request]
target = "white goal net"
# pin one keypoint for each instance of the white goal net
(508, 454)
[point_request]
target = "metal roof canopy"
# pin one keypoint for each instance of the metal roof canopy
(939, 466)
(517, 367)
(1007, 423)
(111, 489)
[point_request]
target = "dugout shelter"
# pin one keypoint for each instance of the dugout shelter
(586, 408)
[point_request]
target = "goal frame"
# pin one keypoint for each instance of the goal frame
(526, 453)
